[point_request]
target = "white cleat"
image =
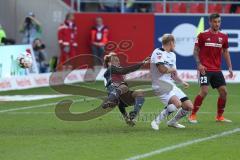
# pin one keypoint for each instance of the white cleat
(222, 119)
(175, 125)
(192, 121)
(154, 125)
(227, 120)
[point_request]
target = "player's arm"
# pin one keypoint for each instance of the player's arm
(226, 56)
(129, 69)
(200, 67)
(196, 54)
(196, 51)
(165, 70)
(125, 70)
(177, 79)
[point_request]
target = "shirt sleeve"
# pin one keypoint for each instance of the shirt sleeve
(125, 70)
(199, 41)
(225, 44)
(157, 58)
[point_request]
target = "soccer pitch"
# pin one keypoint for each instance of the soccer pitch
(30, 130)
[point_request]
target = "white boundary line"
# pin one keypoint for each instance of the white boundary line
(42, 105)
(180, 145)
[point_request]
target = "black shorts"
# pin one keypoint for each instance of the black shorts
(216, 79)
(127, 98)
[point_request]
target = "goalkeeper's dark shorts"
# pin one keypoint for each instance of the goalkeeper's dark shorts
(126, 97)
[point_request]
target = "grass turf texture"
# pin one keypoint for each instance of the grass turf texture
(38, 134)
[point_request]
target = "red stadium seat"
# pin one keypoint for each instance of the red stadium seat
(215, 8)
(227, 8)
(158, 7)
(179, 8)
(197, 8)
(238, 10)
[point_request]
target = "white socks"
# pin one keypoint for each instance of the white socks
(180, 114)
(166, 112)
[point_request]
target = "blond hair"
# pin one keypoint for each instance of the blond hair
(167, 38)
(108, 57)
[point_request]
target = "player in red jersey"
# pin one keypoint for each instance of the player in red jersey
(209, 48)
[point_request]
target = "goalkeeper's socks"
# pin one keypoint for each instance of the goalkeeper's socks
(197, 103)
(122, 110)
(221, 105)
(180, 114)
(166, 112)
(138, 104)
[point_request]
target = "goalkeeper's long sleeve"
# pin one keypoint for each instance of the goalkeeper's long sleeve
(125, 70)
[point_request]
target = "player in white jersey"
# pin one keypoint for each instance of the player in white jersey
(163, 68)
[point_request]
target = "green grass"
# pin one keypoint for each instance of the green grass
(36, 134)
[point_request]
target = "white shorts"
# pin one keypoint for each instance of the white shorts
(174, 92)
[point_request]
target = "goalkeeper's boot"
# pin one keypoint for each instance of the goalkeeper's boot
(133, 118)
(193, 118)
(222, 119)
(127, 119)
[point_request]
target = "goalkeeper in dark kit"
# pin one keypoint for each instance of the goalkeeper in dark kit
(118, 90)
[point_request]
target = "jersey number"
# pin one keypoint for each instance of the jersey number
(203, 79)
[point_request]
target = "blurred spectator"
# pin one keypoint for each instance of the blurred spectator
(53, 64)
(99, 38)
(143, 7)
(83, 6)
(41, 56)
(109, 6)
(67, 39)
(31, 29)
(3, 37)
(234, 7)
(130, 6)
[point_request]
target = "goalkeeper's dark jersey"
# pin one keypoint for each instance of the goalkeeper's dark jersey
(115, 74)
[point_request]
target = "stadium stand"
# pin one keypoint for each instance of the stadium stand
(179, 8)
(212, 8)
(158, 6)
(197, 8)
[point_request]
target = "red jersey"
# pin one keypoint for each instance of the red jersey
(99, 34)
(211, 46)
(67, 34)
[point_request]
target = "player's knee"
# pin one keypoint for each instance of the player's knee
(178, 104)
(204, 93)
(190, 107)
